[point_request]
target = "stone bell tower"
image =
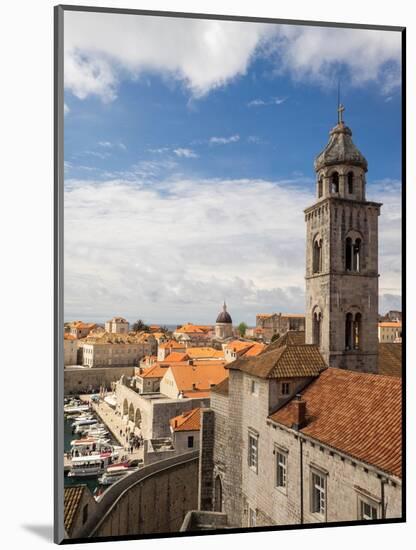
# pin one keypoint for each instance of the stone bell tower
(342, 258)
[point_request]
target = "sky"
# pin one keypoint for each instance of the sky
(189, 148)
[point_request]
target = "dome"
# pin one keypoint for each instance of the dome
(340, 149)
(224, 316)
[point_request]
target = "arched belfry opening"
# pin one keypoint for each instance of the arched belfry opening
(317, 327)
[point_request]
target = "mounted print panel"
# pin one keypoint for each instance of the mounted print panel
(229, 320)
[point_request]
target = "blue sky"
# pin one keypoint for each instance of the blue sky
(188, 164)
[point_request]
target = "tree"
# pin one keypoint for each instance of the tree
(139, 326)
(242, 327)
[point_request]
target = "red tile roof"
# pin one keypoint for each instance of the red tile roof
(390, 359)
(198, 377)
(359, 414)
(176, 356)
(156, 371)
(283, 362)
(187, 422)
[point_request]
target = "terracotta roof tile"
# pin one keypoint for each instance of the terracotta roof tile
(283, 362)
(176, 356)
(204, 352)
(390, 359)
(198, 377)
(254, 350)
(290, 338)
(360, 414)
(72, 499)
(187, 422)
(390, 324)
(156, 371)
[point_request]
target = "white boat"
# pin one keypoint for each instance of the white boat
(108, 478)
(91, 465)
(90, 445)
(84, 422)
(72, 409)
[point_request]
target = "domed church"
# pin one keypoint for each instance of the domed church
(224, 324)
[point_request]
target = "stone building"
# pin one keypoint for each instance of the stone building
(79, 329)
(390, 331)
(70, 349)
(271, 324)
(223, 324)
(315, 444)
(117, 325)
(342, 257)
(116, 350)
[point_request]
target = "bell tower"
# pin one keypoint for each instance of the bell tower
(342, 257)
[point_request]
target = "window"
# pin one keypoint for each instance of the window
(253, 445)
(350, 182)
(254, 387)
(316, 326)
(190, 441)
(335, 183)
(367, 509)
(320, 187)
(318, 493)
(352, 254)
(317, 255)
(285, 388)
(353, 331)
(281, 469)
(251, 517)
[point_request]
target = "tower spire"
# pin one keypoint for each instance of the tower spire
(340, 108)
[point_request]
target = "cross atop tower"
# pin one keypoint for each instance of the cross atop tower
(340, 110)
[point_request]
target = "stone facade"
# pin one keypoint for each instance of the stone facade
(70, 350)
(272, 324)
(342, 259)
(117, 325)
(151, 413)
(85, 380)
(250, 494)
(101, 353)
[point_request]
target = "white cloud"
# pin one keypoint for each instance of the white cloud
(187, 153)
(262, 102)
(315, 54)
(111, 145)
(103, 49)
(171, 251)
(100, 49)
(224, 140)
(66, 109)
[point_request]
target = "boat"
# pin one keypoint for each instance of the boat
(116, 471)
(91, 465)
(72, 409)
(89, 445)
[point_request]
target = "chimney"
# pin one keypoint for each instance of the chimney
(299, 412)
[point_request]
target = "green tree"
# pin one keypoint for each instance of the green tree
(140, 326)
(242, 327)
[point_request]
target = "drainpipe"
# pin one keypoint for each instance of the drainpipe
(301, 478)
(383, 481)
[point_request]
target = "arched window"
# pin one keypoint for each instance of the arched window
(320, 187)
(357, 331)
(317, 256)
(348, 254)
(335, 182)
(218, 494)
(348, 331)
(316, 328)
(356, 255)
(352, 254)
(350, 182)
(352, 331)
